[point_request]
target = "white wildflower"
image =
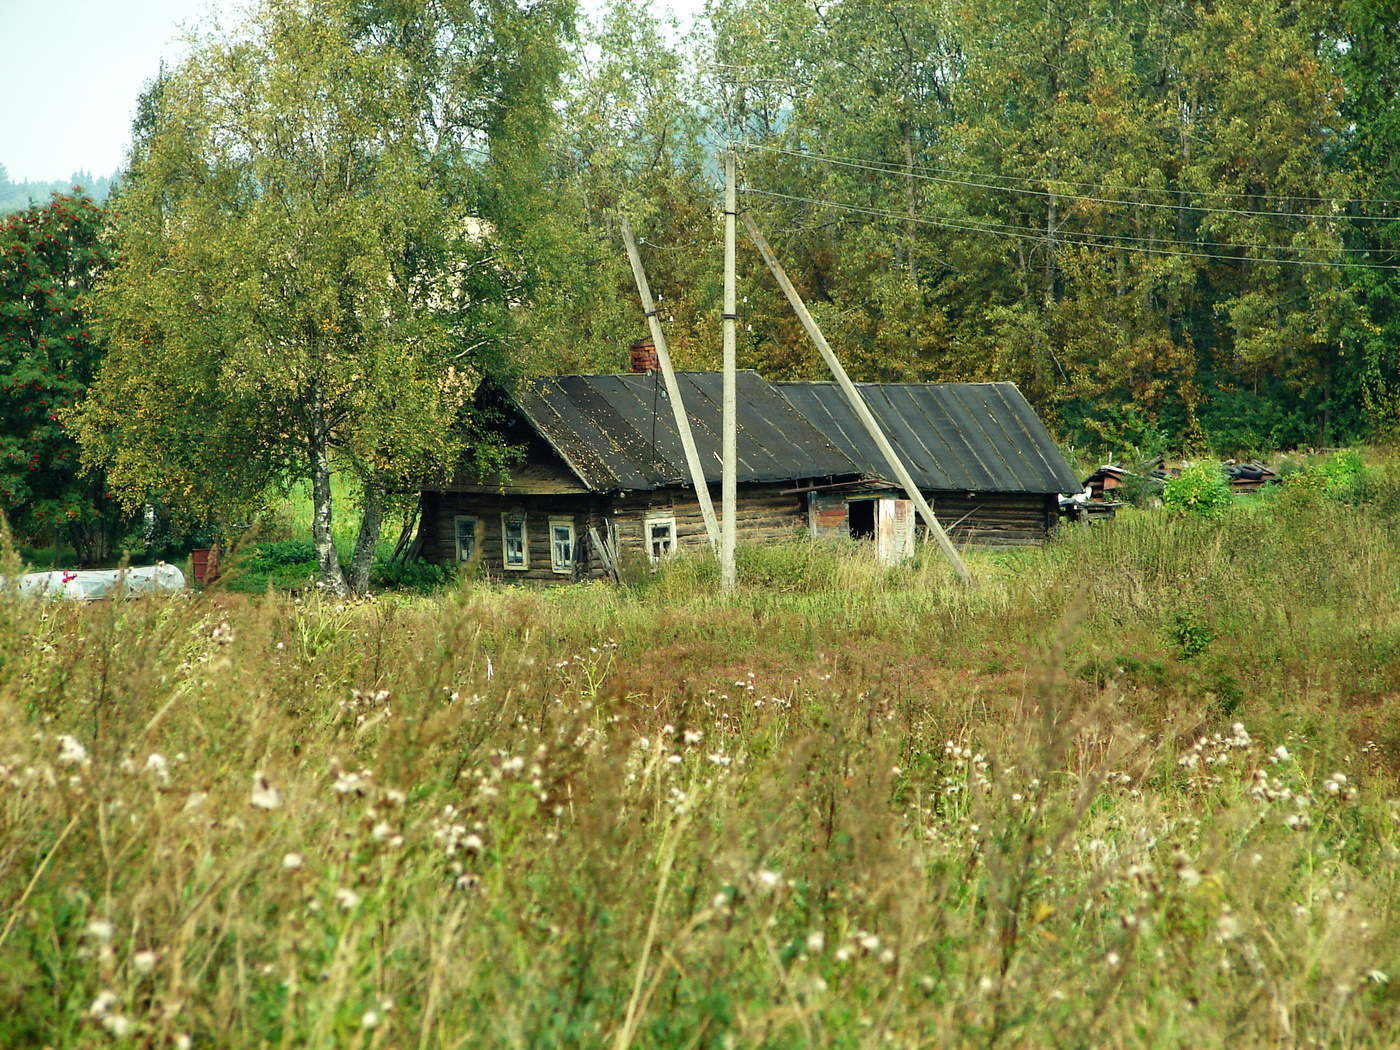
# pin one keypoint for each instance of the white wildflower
(103, 1004)
(144, 962)
(370, 1019)
(347, 898)
(100, 930)
(158, 767)
(293, 861)
(264, 796)
(117, 1025)
(71, 752)
(816, 941)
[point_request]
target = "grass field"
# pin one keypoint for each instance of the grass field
(1138, 789)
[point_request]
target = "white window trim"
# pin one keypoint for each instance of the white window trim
(659, 519)
(457, 536)
(522, 521)
(564, 569)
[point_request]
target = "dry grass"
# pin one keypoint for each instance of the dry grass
(850, 808)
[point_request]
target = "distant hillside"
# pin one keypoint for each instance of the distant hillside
(15, 196)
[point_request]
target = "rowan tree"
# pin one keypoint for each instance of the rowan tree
(50, 257)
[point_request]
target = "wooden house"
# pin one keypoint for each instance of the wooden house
(602, 467)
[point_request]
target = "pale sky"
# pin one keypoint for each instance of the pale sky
(73, 69)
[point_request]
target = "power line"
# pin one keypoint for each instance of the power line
(914, 172)
(1063, 238)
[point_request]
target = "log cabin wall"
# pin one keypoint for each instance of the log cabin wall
(996, 519)
(439, 523)
(981, 519)
(765, 513)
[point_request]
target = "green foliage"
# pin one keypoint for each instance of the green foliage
(420, 577)
(311, 264)
(279, 553)
(1190, 634)
(1200, 489)
(1341, 477)
(51, 257)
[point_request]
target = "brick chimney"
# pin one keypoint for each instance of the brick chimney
(643, 356)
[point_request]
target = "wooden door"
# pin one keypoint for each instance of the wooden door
(894, 530)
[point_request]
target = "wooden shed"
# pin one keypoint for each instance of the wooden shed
(978, 452)
(603, 467)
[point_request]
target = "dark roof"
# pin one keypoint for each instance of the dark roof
(970, 437)
(605, 427)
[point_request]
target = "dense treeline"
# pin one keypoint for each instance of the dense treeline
(17, 195)
(1168, 222)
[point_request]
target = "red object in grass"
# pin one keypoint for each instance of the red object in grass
(204, 565)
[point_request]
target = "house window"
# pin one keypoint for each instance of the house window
(515, 549)
(466, 530)
(661, 538)
(561, 545)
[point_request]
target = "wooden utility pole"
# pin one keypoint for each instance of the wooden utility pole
(858, 405)
(673, 390)
(729, 439)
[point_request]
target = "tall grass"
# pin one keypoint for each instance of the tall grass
(1134, 790)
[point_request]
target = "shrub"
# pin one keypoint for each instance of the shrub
(282, 553)
(1343, 475)
(1200, 489)
(420, 576)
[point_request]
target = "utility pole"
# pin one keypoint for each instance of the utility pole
(673, 390)
(729, 438)
(858, 405)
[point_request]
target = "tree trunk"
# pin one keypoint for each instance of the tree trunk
(367, 542)
(329, 577)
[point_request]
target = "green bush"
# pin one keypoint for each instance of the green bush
(420, 576)
(282, 553)
(1343, 475)
(1200, 489)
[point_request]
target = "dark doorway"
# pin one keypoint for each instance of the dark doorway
(860, 515)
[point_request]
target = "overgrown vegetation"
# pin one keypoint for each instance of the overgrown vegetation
(1123, 793)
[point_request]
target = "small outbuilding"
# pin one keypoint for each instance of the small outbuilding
(602, 474)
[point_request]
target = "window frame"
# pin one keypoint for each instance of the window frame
(650, 522)
(563, 568)
(507, 520)
(477, 531)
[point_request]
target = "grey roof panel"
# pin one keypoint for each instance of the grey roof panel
(603, 426)
(974, 437)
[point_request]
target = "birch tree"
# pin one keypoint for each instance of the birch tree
(302, 248)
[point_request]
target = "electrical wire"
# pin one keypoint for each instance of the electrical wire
(886, 168)
(1062, 238)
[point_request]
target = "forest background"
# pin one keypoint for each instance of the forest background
(1173, 225)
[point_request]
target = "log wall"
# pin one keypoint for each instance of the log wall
(979, 519)
(766, 513)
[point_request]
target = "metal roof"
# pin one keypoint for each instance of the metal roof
(971, 437)
(618, 432)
